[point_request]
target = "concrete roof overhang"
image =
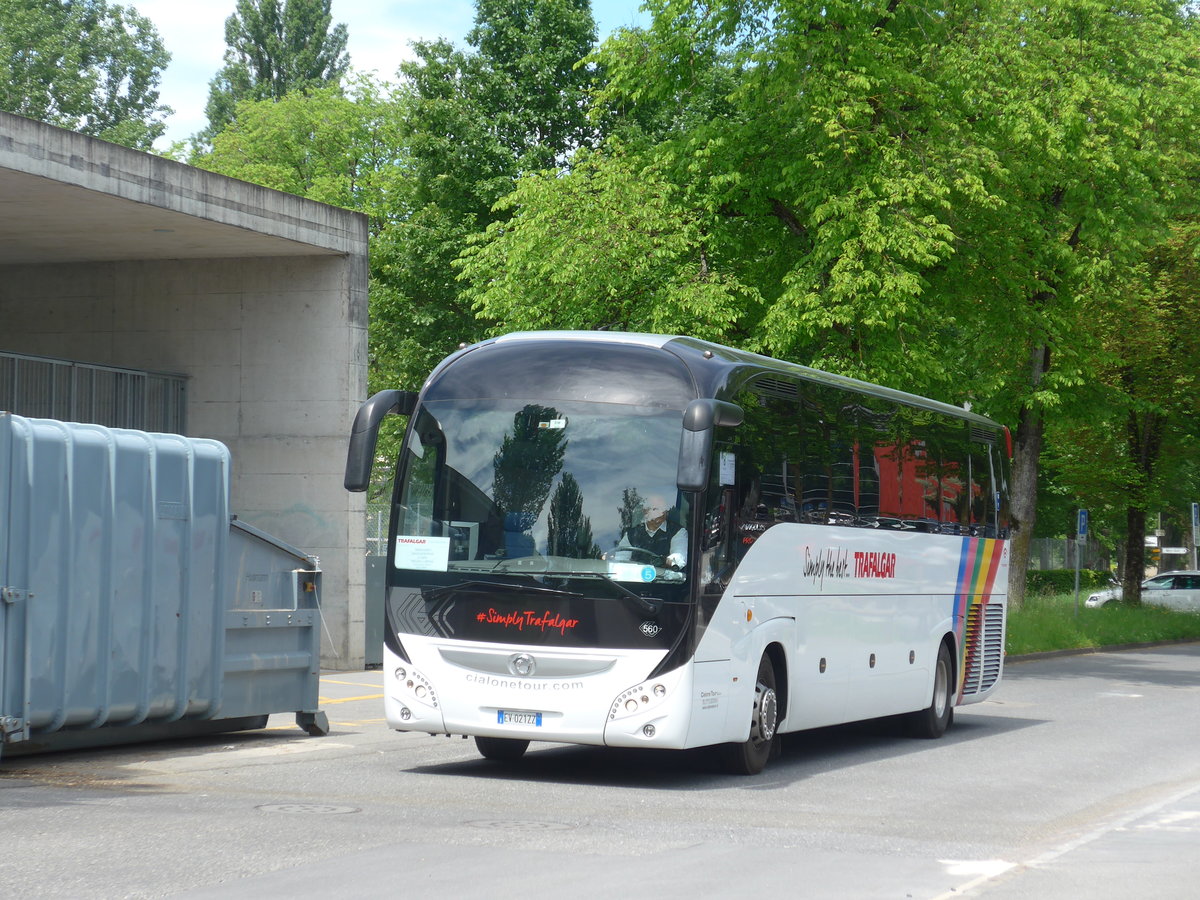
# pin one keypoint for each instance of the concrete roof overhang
(69, 198)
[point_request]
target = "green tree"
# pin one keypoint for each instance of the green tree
(1136, 451)
(274, 47)
(602, 245)
(336, 145)
(532, 84)
(514, 101)
(935, 198)
(83, 65)
(1093, 172)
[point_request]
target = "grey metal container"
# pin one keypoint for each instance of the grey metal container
(132, 604)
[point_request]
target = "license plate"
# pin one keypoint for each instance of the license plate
(511, 717)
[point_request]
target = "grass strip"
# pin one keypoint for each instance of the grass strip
(1049, 622)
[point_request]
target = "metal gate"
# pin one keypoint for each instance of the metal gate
(45, 388)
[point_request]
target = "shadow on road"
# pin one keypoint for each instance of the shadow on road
(803, 755)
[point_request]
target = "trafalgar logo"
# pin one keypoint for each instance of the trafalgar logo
(873, 564)
(836, 562)
(520, 619)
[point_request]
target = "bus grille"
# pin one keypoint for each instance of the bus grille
(984, 644)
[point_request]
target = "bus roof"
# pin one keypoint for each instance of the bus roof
(692, 348)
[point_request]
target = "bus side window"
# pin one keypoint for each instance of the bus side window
(766, 464)
(981, 506)
(999, 469)
(715, 565)
(947, 487)
(416, 504)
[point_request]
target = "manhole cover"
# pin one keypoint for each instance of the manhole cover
(310, 809)
(518, 825)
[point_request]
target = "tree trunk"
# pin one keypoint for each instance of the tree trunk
(1023, 489)
(1135, 555)
(1143, 441)
(1023, 500)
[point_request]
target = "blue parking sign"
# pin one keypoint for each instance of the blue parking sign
(1081, 528)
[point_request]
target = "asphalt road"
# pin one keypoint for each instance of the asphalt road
(1081, 779)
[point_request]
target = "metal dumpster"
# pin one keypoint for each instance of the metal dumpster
(132, 604)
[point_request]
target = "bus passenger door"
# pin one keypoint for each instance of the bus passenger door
(715, 570)
(713, 686)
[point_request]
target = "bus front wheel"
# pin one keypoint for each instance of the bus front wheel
(500, 749)
(749, 757)
(933, 721)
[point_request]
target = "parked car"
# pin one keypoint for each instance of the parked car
(1175, 590)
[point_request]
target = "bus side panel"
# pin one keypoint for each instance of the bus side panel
(712, 698)
(981, 614)
(871, 608)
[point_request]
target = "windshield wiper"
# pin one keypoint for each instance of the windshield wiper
(651, 605)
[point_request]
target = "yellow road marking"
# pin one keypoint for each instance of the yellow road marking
(330, 701)
(351, 683)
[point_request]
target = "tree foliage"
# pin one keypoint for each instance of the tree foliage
(83, 65)
(336, 145)
(972, 201)
(275, 47)
(934, 197)
(1136, 450)
(514, 101)
(605, 245)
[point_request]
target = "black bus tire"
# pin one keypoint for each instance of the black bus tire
(501, 749)
(933, 721)
(749, 757)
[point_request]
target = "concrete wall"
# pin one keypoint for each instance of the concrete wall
(275, 351)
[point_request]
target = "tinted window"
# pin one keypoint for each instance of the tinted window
(810, 452)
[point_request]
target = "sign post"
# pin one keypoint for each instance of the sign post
(1195, 532)
(1081, 530)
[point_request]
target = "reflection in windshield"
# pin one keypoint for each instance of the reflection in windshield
(530, 455)
(525, 487)
(569, 530)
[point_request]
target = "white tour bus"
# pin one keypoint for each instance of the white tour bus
(635, 540)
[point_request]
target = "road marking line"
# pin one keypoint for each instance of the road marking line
(330, 701)
(1118, 824)
(983, 870)
(350, 683)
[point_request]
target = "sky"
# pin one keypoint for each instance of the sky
(379, 34)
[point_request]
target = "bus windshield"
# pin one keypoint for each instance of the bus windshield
(513, 486)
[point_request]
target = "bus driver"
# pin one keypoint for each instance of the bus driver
(658, 534)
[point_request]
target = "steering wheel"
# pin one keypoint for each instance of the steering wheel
(644, 556)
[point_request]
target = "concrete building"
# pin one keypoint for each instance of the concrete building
(121, 258)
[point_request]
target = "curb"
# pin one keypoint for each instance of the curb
(1080, 651)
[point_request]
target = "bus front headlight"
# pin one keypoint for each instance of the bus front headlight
(638, 700)
(412, 688)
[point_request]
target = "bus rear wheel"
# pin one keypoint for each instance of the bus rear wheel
(500, 749)
(933, 721)
(750, 756)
